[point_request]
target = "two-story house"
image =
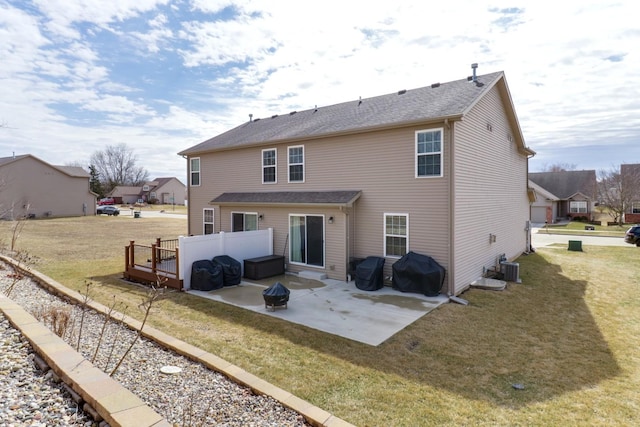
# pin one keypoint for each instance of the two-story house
(439, 170)
(31, 187)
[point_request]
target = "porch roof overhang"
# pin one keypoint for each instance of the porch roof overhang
(291, 198)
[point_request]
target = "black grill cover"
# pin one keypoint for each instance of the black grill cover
(418, 273)
(206, 276)
(231, 269)
(369, 274)
(276, 294)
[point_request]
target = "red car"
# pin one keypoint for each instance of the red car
(106, 201)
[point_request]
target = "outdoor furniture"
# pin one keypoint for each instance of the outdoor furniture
(276, 295)
(369, 274)
(206, 276)
(231, 269)
(262, 267)
(418, 273)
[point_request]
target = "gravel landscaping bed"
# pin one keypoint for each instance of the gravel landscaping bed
(195, 396)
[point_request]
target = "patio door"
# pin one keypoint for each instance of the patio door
(306, 239)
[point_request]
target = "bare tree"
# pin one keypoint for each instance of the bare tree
(116, 165)
(558, 167)
(618, 188)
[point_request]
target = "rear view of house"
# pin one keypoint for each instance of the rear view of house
(30, 187)
(439, 170)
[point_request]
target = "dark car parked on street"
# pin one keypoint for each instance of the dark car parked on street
(107, 210)
(633, 235)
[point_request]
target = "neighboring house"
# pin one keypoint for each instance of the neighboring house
(440, 170)
(571, 194)
(631, 176)
(30, 187)
(166, 191)
(544, 208)
(123, 194)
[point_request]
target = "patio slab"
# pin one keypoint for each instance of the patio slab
(333, 306)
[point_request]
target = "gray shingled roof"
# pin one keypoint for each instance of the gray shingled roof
(289, 198)
(431, 103)
(565, 184)
(76, 171)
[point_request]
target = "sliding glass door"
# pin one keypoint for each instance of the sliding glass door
(306, 239)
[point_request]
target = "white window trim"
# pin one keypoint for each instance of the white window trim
(441, 152)
(324, 241)
(275, 166)
(243, 220)
(191, 172)
(385, 235)
(213, 219)
(289, 164)
(635, 206)
(579, 204)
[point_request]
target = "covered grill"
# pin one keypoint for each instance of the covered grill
(276, 295)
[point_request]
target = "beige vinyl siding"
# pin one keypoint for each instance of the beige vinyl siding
(490, 188)
(380, 164)
(278, 219)
(31, 186)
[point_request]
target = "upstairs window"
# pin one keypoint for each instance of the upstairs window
(635, 207)
(207, 221)
(244, 221)
(429, 153)
(269, 161)
(578, 207)
(194, 169)
(396, 235)
(296, 164)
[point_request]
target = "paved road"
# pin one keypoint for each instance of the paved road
(153, 214)
(540, 238)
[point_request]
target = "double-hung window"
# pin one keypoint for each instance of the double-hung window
(269, 168)
(194, 169)
(296, 163)
(429, 153)
(635, 207)
(244, 221)
(396, 235)
(578, 206)
(207, 221)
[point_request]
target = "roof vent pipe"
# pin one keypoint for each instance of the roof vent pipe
(250, 117)
(474, 66)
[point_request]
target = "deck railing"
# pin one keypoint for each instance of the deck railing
(154, 264)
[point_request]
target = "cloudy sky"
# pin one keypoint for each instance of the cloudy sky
(162, 75)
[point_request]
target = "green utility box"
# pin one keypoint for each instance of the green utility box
(575, 245)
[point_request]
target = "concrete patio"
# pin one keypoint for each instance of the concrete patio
(333, 306)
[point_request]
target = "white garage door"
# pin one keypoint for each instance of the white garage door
(538, 214)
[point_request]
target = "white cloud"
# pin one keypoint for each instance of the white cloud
(165, 75)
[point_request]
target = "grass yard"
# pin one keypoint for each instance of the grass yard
(568, 334)
(578, 228)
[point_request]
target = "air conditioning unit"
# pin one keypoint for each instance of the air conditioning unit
(510, 271)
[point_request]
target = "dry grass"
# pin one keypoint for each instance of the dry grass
(569, 334)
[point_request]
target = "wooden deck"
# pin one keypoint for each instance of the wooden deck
(155, 264)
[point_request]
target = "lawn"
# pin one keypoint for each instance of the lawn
(578, 228)
(568, 335)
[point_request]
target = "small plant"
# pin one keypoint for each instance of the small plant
(23, 260)
(107, 319)
(83, 308)
(114, 341)
(56, 318)
(153, 294)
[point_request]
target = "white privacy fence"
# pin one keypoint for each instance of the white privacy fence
(239, 246)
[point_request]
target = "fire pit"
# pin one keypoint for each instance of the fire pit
(276, 295)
